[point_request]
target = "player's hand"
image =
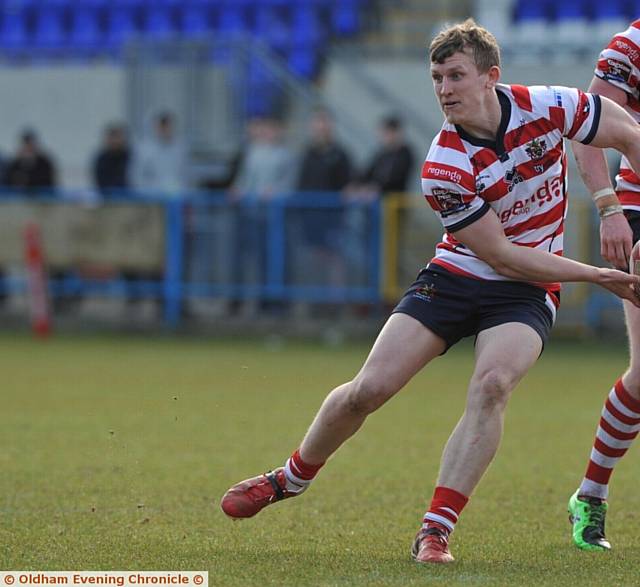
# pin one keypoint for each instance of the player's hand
(624, 285)
(616, 240)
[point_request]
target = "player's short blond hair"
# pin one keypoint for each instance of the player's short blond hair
(470, 37)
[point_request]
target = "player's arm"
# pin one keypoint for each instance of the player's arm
(487, 240)
(616, 237)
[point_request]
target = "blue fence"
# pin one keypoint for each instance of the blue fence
(311, 247)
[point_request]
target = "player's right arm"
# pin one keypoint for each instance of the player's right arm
(486, 238)
(616, 237)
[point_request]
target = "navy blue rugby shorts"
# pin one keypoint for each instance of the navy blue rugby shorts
(633, 217)
(454, 306)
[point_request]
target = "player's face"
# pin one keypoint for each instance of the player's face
(460, 88)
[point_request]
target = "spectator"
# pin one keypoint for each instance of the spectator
(325, 164)
(387, 172)
(111, 163)
(391, 165)
(160, 163)
(326, 167)
(267, 169)
(267, 172)
(31, 169)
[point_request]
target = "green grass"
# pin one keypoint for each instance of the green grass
(114, 453)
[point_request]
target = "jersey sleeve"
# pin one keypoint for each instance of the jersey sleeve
(448, 184)
(575, 113)
(619, 61)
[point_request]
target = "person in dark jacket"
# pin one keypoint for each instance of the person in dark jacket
(111, 164)
(390, 168)
(326, 166)
(31, 169)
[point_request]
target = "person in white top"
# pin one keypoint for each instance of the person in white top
(159, 164)
(495, 176)
(616, 77)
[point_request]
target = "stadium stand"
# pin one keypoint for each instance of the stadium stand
(297, 30)
(581, 25)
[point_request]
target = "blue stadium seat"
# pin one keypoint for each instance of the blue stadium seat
(270, 27)
(157, 21)
(306, 26)
(345, 17)
(571, 27)
(121, 26)
(633, 10)
(193, 20)
(85, 35)
(304, 62)
(96, 5)
(570, 10)
(609, 18)
(14, 34)
(234, 16)
(49, 32)
(612, 9)
(261, 96)
(531, 11)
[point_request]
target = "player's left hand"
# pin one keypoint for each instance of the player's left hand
(624, 285)
(616, 240)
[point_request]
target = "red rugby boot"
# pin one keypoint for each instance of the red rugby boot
(247, 498)
(431, 546)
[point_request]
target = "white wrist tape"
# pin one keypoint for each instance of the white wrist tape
(603, 193)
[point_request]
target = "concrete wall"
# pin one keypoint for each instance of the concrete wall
(68, 106)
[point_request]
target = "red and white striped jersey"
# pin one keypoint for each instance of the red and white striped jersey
(619, 64)
(521, 176)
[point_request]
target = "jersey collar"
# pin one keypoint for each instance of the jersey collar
(496, 145)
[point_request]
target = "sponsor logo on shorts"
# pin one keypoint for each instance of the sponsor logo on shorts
(449, 201)
(425, 293)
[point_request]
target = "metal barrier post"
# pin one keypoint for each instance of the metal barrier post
(376, 252)
(173, 262)
(275, 286)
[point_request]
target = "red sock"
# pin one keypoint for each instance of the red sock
(446, 506)
(299, 472)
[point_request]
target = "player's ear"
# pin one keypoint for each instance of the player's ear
(493, 77)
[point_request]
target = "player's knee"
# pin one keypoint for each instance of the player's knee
(632, 381)
(366, 394)
(493, 389)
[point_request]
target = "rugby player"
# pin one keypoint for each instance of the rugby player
(617, 77)
(495, 175)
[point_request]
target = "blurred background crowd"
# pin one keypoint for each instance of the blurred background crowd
(229, 160)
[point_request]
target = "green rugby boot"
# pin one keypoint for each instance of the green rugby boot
(587, 515)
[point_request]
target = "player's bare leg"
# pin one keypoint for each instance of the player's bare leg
(503, 355)
(402, 348)
(631, 378)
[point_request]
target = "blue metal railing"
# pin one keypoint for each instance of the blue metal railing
(207, 233)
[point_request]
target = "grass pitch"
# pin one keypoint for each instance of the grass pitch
(114, 453)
